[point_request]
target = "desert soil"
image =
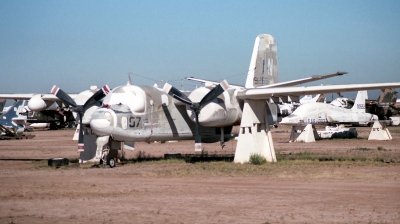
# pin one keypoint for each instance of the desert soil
(201, 192)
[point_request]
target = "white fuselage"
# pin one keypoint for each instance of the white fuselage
(320, 113)
(145, 113)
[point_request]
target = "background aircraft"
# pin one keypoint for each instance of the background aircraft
(328, 114)
(385, 106)
(47, 108)
(12, 123)
(133, 113)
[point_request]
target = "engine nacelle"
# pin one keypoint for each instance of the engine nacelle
(83, 96)
(81, 99)
(220, 112)
(36, 103)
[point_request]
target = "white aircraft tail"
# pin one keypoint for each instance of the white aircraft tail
(359, 103)
(263, 69)
(15, 110)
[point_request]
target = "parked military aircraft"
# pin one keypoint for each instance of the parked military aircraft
(328, 114)
(385, 106)
(132, 113)
(42, 110)
(12, 123)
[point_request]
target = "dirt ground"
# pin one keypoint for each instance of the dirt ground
(202, 192)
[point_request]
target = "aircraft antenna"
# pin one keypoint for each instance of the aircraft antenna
(129, 78)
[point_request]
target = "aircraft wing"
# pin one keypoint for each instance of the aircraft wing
(279, 84)
(213, 82)
(28, 96)
(266, 93)
(305, 80)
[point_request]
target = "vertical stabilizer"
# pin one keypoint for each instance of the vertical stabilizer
(15, 110)
(263, 69)
(359, 103)
(11, 122)
(387, 96)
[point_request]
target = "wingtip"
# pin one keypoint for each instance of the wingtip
(106, 89)
(81, 147)
(197, 147)
(54, 90)
(225, 85)
(167, 88)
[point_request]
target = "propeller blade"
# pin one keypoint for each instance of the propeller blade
(176, 93)
(196, 107)
(197, 137)
(80, 109)
(63, 96)
(215, 92)
(81, 146)
(97, 96)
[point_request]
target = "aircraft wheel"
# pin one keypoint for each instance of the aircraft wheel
(111, 162)
(57, 162)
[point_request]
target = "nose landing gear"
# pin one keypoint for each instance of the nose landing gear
(107, 158)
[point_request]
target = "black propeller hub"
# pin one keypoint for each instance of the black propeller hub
(79, 109)
(196, 107)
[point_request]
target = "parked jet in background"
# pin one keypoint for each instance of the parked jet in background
(41, 108)
(385, 106)
(287, 109)
(12, 122)
(321, 113)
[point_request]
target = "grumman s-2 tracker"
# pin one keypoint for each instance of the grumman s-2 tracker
(217, 112)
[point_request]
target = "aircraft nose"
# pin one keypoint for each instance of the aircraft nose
(290, 119)
(99, 123)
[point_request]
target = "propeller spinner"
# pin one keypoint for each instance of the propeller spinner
(196, 106)
(80, 109)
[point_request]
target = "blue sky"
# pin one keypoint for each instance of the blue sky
(76, 44)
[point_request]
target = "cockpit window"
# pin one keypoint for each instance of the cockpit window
(132, 97)
(120, 108)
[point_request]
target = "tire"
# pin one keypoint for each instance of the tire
(57, 162)
(111, 162)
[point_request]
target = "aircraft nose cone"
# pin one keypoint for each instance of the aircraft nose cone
(102, 122)
(101, 126)
(99, 123)
(289, 119)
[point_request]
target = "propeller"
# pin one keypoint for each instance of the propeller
(196, 106)
(80, 109)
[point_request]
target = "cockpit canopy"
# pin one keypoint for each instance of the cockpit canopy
(132, 96)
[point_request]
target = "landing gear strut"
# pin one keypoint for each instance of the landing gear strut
(108, 158)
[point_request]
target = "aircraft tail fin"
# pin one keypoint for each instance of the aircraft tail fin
(359, 103)
(318, 98)
(263, 69)
(387, 96)
(16, 109)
